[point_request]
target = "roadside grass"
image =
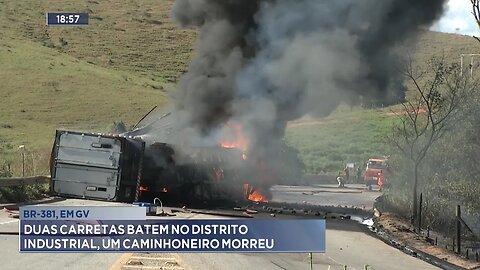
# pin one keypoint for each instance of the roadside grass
(345, 136)
(23, 193)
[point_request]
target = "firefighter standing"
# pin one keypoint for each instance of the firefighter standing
(359, 174)
(340, 180)
(346, 173)
(380, 180)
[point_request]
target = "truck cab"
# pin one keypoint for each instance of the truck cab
(374, 167)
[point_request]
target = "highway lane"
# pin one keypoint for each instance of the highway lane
(348, 243)
(352, 195)
(54, 261)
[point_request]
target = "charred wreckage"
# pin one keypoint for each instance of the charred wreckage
(127, 167)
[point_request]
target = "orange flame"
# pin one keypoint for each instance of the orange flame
(143, 188)
(254, 195)
(257, 197)
(234, 138)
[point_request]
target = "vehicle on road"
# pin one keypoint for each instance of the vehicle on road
(95, 166)
(125, 168)
(376, 166)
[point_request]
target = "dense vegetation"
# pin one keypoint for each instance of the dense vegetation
(438, 146)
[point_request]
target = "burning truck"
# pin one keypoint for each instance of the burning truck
(130, 167)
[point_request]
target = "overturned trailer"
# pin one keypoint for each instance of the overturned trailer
(125, 168)
(95, 166)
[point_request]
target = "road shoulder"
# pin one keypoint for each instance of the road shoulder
(400, 233)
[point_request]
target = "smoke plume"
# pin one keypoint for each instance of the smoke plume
(264, 63)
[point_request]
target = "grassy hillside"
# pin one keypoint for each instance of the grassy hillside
(435, 44)
(139, 36)
(42, 89)
(122, 63)
(133, 36)
(80, 78)
(345, 136)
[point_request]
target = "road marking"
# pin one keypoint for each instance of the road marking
(152, 258)
(279, 266)
(143, 267)
(121, 261)
(8, 222)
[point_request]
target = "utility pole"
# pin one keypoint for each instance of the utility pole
(471, 55)
(311, 260)
(458, 215)
(420, 214)
(22, 149)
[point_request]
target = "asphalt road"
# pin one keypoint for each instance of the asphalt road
(9, 249)
(352, 195)
(348, 243)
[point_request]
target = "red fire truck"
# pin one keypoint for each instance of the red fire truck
(376, 166)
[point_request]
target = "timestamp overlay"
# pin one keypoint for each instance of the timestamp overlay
(66, 19)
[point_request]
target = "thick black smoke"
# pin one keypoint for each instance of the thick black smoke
(263, 63)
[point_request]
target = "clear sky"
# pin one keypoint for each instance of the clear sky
(458, 19)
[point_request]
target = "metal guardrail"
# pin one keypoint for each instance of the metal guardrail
(20, 181)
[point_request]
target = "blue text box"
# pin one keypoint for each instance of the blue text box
(304, 235)
(82, 213)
